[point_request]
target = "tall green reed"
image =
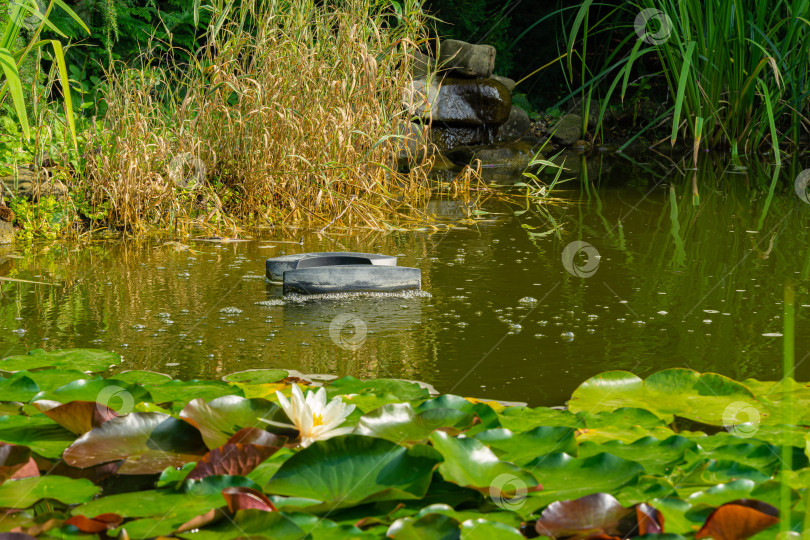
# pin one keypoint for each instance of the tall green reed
(738, 71)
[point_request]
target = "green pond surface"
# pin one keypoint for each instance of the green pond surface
(668, 284)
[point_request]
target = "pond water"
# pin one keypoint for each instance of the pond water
(668, 284)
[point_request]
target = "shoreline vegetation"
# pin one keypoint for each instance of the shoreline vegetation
(88, 446)
(254, 114)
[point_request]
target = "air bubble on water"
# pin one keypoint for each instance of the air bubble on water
(270, 303)
(707, 321)
(527, 300)
(515, 328)
(662, 312)
(164, 315)
(20, 331)
(138, 327)
(230, 310)
(639, 323)
(538, 336)
(542, 323)
(567, 336)
(772, 334)
(591, 330)
(710, 311)
(592, 316)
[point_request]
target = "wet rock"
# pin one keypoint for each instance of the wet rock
(466, 59)
(513, 156)
(516, 126)
(506, 81)
(449, 137)
(568, 130)
(472, 102)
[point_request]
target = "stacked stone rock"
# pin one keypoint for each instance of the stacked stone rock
(464, 103)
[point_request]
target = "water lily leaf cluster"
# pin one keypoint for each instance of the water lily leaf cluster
(87, 452)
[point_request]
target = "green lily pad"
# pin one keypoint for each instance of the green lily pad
(482, 529)
(402, 390)
(523, 447)
(91, 360)
(428, 527)
(351, 469)
(118, 395)
(254, 524)
(51, 379)
(18, 389)
(24, 492)
(185, 391)
(564, 477)
(468, 463)
(143, 377)
(398, 422)
(526, 418)
(149, 442)
(683, 392)
(220, 418)
(39, 433)
(257, 376)
(657, 457)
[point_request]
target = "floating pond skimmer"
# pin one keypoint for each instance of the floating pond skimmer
(342, 271)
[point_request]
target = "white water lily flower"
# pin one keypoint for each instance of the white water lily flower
(314, 419)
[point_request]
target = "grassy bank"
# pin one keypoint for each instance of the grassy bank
(285, 112)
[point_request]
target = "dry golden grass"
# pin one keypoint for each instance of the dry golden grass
(291, 114)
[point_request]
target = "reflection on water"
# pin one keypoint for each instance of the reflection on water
(670, 284)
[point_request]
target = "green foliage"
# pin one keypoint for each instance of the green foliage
(463, 469)
(47, 218)
(736, 71)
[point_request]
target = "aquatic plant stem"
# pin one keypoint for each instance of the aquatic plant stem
(787, 369)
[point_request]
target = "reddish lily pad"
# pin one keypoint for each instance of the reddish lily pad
(599, 513)
(738, 519)
(231, 459)
(78, 417)
(148, 442)
(98, 524)
(16, 462)
(245, 498)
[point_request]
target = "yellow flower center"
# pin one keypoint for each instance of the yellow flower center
(317, 420)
